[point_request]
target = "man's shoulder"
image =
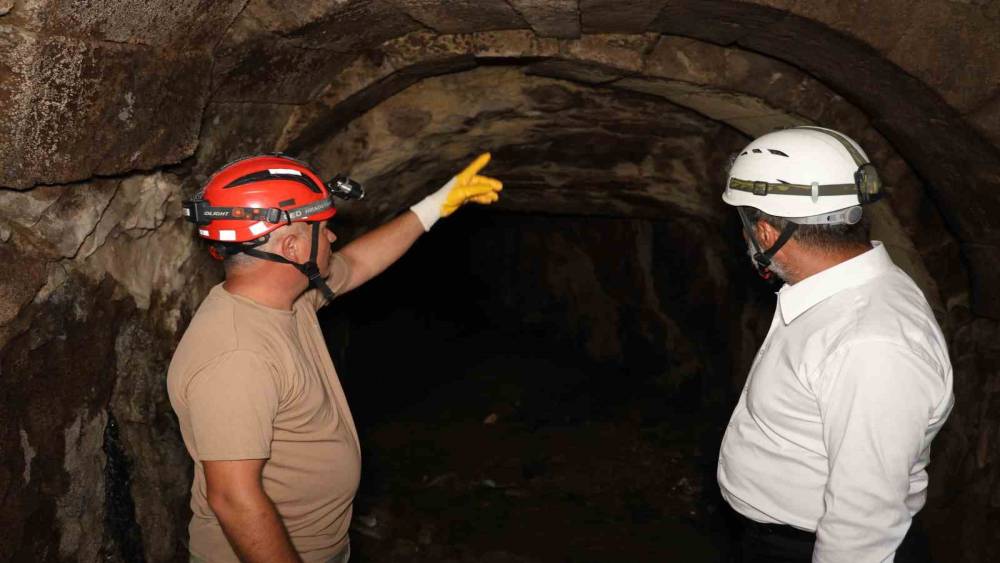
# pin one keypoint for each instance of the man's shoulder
(892, 312)
(889, 308)
(210, 334)
(223, 325)
(895, 305)
(213, 320)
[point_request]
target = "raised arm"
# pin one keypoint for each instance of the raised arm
(373, 252)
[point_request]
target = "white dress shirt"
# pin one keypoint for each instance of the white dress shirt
(833, 429)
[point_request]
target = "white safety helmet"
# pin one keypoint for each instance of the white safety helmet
(808, 175)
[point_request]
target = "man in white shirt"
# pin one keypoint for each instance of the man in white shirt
(826, 452)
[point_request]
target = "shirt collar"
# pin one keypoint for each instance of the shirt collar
(793, 300)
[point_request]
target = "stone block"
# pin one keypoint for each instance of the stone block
(75, 109)
(273, 70)
(732, 68)
(514, 43)
(181, 24)
(923, 39)
(346, 26)
(681, 58)
(615, 16)
(619, 51)
(463, 16)
(331, 120)
(551, 18)
(960, 168)
(748, 114)
(953, 48)
(718, 21)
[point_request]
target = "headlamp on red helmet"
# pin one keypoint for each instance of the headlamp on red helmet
(252, 197)
(248, 199)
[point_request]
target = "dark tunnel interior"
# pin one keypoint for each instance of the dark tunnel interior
(544, 379)
(493, 410)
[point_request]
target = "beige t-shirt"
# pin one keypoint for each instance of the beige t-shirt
(251, 382)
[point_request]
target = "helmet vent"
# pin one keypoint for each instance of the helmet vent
(777, 152)
(757, 151)
(263, 175)
(743, 153)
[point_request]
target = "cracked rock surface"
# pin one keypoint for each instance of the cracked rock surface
(113, 112)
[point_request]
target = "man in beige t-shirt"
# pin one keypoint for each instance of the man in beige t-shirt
(261, 409)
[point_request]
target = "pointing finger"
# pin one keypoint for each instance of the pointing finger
(474, 168)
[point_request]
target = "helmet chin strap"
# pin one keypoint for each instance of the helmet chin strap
(310, 269)
(762, 258)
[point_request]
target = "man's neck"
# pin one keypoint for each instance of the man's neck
(263, 289)
(806, 262)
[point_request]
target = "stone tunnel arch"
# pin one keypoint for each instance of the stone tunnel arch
(746, 91)
(803, 37)
(94, 215)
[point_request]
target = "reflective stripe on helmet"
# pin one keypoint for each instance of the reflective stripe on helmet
(275, 174)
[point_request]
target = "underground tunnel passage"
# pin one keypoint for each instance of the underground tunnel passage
(543, 379)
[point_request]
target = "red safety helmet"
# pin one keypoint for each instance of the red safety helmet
(248, 199)
(252, 197)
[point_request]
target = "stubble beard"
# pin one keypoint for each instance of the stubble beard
(775, 267)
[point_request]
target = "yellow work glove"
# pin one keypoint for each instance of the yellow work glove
(465, 187)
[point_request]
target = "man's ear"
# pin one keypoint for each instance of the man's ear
(766, 234)
(289, 247)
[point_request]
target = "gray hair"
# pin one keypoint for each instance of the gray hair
(240, 260)
(823, 237)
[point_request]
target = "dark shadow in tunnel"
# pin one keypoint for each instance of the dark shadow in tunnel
(527, 384)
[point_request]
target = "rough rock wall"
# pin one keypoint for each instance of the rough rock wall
(103, 87)
(104, 278)
(113, 88)
(964, 502)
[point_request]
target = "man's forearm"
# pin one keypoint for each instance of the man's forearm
(376, 250)
(255, 530)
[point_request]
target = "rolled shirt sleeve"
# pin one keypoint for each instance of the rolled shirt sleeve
(875, 401)
(232, 405)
